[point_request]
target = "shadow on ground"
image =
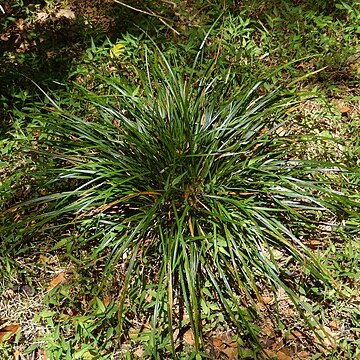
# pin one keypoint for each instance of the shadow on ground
(41, 43)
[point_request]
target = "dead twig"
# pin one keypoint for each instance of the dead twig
(150, 13)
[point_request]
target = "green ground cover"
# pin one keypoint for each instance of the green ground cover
(179, 180)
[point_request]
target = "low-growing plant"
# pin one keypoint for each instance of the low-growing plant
(194, 186)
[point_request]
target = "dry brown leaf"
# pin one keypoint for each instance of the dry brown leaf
(281, 355)
(176, 334)
(139, 352)
(4, 37)
(314, 243)
(295, 335)
(41, 17)
(282, 295)
(292, 109)
(43, 355)
(107, 300)
(334, 324)
(345, 109)
(58, 280)
(268, 331)
(355, 67)
(342, 106)
(288, 311)
(7, 332)
(70, 311)
(303, 355)
(20, 25)
(188, 337)
(281, 131)
(231, 352)
(148, 298)
(217, 342)
(67, 13)
(266, 299)
(8, 294)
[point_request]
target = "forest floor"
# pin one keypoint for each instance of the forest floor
(48, 306)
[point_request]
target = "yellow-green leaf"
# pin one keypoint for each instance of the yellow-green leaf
(116, 50)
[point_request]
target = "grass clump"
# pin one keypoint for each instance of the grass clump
(194, 186)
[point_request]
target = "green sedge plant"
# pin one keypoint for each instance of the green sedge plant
(195, 183)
